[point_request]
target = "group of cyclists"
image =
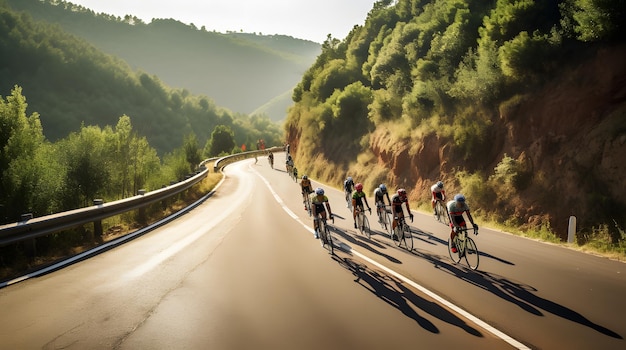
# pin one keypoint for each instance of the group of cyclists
(357, 200)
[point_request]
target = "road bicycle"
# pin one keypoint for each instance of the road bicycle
(323, 232)
(402, 234)
(384, 217)
(294, 174)
(465, 247)
(362, 223)
(441, 212)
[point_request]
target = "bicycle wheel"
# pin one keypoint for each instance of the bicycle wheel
(471, 253)
(365, 226)
(454, 256)
(407, 237)
(329, 240)
(387, 222)
(308, 205)
(395, 235)
(445, 218)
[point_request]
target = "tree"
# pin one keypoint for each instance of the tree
(222, 141)
(192, 151)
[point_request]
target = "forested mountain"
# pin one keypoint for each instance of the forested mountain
(69, 82)
(520, 105)
(78, 124)
(239, 71)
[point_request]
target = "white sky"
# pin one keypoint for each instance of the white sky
(303, 19)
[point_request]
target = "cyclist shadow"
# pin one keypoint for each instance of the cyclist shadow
(516, 293)
(393, 292)
(363, 244)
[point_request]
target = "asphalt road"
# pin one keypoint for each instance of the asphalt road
(243, 271)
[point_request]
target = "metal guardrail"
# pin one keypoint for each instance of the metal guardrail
(30, 227)
(224, 161)
(41, 226)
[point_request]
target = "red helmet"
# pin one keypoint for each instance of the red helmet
(359, 187)
(402, 192)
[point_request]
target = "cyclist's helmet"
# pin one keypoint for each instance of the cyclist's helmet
(402, 192)
(359, 187)
(349, 179)
(319, 191)
(383, 188)
(304, 177)
(459, 198)
(440, 184)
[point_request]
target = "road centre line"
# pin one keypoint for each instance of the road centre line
(482, 324)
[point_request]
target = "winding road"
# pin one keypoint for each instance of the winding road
(243, 271)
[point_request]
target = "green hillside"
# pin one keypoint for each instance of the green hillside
(495, 98)
(238, 71)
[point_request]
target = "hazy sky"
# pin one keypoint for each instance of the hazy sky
(303, 19)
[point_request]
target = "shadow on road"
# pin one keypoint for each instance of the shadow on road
(395, 293)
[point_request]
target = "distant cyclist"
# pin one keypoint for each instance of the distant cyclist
(348, 187)
(438, 194)
(357, 201)
(305, 185)
(456, 208)
(270, 156)
(379, 197)
(396, 206)
(318, 201)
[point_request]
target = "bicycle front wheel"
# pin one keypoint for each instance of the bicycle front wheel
(365, 226)
(407, 237)
(395, 235)
(387, 222)
(471, 253)
(329, 240)
(456, 257)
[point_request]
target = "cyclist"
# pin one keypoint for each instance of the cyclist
(270, 156)
(396, 207)
(305, 185)
(289, 164)
(438, 194)
(456, 208)
(357, 200)
(348, 187)
(295, 173)
(379, 197)
(318, 201)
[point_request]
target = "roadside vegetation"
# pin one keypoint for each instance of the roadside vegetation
(494, 98)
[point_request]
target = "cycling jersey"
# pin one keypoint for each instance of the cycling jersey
(348, 186)
(306, 185)
(358, 196)
(396, 203)
(456, 211)
(379, 195)
(318, 203)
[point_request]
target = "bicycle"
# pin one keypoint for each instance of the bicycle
(362, 222)
(294, 174)
(441, 212)
(323, 233)
(402, 233)
(465, 247)
(383, 217)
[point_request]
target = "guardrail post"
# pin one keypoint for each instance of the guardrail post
(97, 225)
(571, 229)
(141, 213)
